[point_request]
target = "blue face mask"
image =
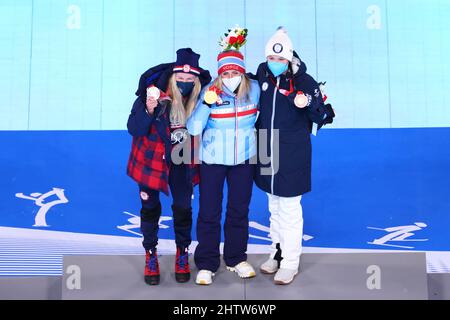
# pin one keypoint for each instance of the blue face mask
(185, 87)
(277, 68)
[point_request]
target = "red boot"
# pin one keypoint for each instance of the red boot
(151, 271)
(182, 272)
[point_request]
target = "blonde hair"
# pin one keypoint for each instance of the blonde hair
(244, 87)
(179, 111)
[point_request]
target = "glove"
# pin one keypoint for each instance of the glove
(330, 114)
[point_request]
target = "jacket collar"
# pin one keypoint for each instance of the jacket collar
(228, 91)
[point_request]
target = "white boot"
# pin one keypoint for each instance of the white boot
(243, 269)
(204, 277)
(269, 266)
(284, 276)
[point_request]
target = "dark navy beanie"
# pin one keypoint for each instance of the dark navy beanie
(187, 61)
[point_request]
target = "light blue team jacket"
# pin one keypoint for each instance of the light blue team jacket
(228, 129)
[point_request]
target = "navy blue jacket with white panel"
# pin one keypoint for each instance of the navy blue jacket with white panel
(290, 175)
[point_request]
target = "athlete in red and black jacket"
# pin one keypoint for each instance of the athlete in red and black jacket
(157, 124)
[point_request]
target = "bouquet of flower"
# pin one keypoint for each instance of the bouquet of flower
(234, 39)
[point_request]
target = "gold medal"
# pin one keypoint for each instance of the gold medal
(300, 100)
(211, 97)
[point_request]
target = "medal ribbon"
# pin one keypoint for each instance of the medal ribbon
(283, 91)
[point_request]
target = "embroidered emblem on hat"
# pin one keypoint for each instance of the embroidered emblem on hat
(186, 68)
(144, 195)
(277, 47)
(265, 86)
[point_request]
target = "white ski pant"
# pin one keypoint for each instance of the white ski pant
(286, 228)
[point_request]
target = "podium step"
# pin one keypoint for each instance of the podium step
(30, 288)
(121, 277)
(439, 286)
(356, 276)
(322, 276)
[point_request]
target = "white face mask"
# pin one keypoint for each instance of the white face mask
(232, 83)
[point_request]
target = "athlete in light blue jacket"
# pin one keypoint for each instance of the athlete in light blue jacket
(228, 142)
(228, 126)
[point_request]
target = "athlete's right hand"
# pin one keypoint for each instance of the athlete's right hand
(151, 104)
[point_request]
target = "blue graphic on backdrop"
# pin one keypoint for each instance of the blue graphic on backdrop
(372, 188)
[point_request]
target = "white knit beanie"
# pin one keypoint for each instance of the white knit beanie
(280, 45)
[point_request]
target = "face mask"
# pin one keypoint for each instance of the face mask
(232, 83)
(185, 87)
(277, 68)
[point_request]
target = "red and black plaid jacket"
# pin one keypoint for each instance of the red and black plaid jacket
(149, 159)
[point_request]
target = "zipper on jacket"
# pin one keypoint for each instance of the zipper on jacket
(271, 135)
(236, 128)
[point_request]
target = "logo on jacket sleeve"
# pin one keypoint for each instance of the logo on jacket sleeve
(309, 97)
(144, 195)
